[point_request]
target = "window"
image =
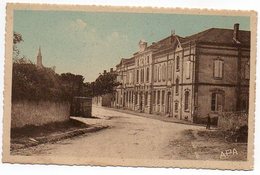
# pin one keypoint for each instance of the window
(147, 59)
(164, 72)
(247, 71)
(170, 71)
(154, 96)
(159, 73)
(218, 68)
(216, 102)
(177, 86)
(177, 63)
(187, 69)
(176, 106)
(186, 100)
(142, 75)
(136, 96)
(146, 98)
(147, 74)
(137, 76)
(163, 93)
(155, 72)
(158, 97)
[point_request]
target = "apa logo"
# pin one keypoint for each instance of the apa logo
(227, 153)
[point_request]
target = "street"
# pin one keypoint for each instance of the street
(129, 136)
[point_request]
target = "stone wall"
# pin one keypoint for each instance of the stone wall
(232, 120)
(38, 113)
(81, 107)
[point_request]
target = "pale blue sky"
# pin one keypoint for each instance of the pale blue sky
(86, 43)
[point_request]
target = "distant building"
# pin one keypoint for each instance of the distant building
(39, 59)
(188, 77)
(39, 62)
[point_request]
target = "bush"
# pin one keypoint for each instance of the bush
(32, 83)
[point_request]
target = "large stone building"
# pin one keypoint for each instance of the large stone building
(187, 77)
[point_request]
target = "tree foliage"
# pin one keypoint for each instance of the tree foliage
(105, 83)
(30, 82)
(17, 38)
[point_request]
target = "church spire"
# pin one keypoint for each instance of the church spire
(39, 52)
(39, 58)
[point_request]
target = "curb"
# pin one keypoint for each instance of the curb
(54, 138)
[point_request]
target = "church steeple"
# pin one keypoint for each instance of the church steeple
(39, 58)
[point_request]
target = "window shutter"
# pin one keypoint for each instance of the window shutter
(220, 68)
(187, 69)
(216, 69)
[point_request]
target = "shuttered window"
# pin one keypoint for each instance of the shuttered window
(186, 100)
(155, 73)
(218, 68)
(187, 69)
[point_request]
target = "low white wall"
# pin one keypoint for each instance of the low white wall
(38, 113)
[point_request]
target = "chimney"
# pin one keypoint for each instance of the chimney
(142, 45)
(111, 70)
(105, 71)
(235, 32)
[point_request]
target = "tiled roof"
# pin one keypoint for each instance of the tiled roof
(216, 35)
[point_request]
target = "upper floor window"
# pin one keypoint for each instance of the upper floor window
(142, 75)
(218, 68)
(155, 72)
(169, 71)
(164, 72)
(147, 74)
(187, 69)
(148, 59)
(159, 73)
(137, 76)
(177, 63)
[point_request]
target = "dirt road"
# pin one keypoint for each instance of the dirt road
(128, 136)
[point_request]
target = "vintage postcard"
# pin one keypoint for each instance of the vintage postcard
(121, 86)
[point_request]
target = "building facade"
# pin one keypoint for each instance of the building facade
(188, 77)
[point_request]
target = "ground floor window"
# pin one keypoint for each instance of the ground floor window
(176, 106)
(154, 97)
(158, 97)
(136, 99)
(163, 94)
(217, 101)
(186, 100)
(146, 98)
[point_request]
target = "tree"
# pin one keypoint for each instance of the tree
(105, 83)
(17, 38)
(73, 84)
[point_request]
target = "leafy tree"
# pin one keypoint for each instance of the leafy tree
(17, 38)
(73, 84)
(105, 83)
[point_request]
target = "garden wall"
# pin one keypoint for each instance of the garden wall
(232, 120)
(38, 113)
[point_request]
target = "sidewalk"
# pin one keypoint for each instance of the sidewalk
(152, 116)
(54, 132)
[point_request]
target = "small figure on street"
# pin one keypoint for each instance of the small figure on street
(208, 122)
